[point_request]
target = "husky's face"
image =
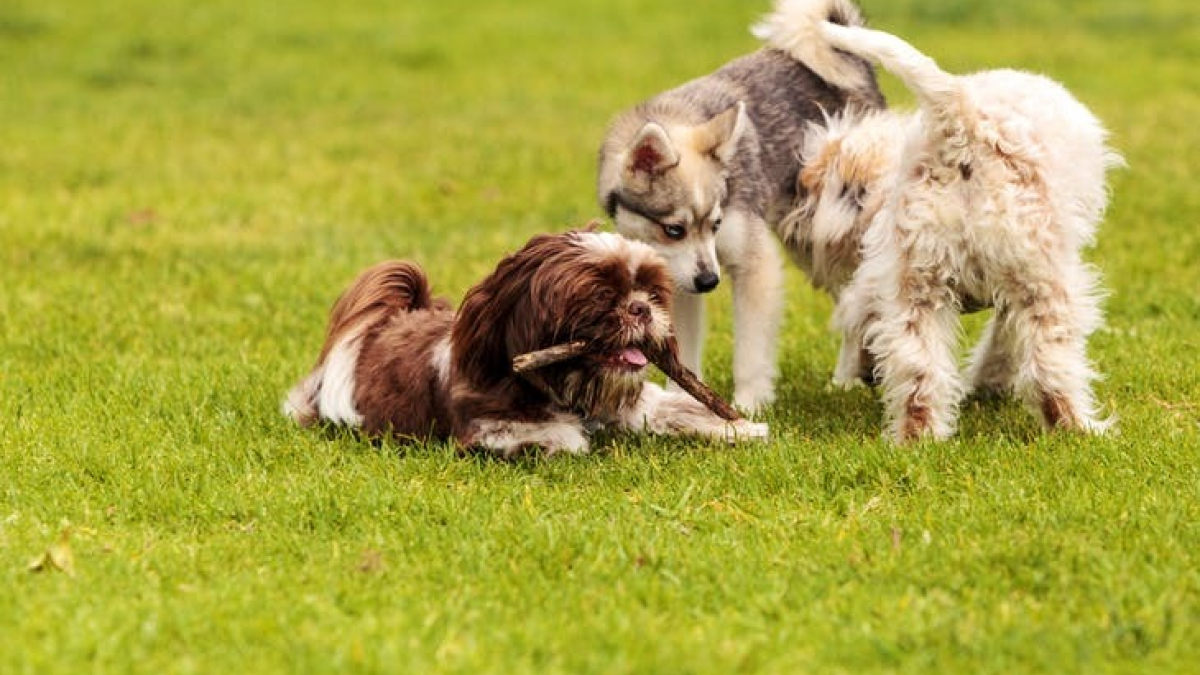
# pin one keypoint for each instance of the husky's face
(669, 189)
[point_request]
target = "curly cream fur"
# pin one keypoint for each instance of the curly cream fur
(984, 197)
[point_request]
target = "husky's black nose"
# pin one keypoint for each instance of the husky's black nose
(706, 281)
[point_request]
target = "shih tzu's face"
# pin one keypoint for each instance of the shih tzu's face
(596, 287)
(612, 293)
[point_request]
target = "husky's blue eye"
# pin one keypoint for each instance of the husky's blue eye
(674, 231)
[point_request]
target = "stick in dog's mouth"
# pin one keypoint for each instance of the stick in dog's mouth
(665, 358)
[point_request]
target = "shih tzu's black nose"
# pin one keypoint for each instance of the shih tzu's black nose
(706, 281)
(639, 310)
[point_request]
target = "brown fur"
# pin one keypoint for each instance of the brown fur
(916, 420)
(396, 393)
(423, 371)
(1057, 412)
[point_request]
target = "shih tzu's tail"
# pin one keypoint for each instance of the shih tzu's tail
(933, 86)
(794, 27)
(377, 295)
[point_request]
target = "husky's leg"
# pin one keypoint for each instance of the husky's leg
(687, 313)
(756, 270)
(992, 369)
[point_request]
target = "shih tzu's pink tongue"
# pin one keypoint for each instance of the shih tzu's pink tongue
(633, 356)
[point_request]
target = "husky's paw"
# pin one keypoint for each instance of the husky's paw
(839, 381)
(753, 400)
(745, 430)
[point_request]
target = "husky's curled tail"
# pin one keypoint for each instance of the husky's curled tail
(921, 74)
(794, 26)
(376, 296)
(938, 92)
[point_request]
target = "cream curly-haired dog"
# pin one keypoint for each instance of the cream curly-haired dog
(984, 197)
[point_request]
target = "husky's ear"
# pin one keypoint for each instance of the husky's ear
(651, 152)
(720, 135)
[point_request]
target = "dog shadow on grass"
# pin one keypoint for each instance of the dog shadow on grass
(811, 407)
(808, 409)
(356, 441)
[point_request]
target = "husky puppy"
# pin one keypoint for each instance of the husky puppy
(702, 173)
(983, 197)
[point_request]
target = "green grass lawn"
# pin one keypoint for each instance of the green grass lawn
(186, 186)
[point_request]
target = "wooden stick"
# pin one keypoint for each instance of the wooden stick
(667, 360)
(548, 356)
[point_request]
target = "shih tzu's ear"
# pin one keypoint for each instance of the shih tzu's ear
(651, 152)
(720, 135)
(496, 320)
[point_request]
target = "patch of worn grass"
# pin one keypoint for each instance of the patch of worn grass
(185, 187)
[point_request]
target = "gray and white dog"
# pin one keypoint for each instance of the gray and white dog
(705, 172)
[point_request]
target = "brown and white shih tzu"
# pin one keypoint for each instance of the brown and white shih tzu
(398, 361)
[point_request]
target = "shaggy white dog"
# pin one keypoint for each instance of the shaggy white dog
(984, 197)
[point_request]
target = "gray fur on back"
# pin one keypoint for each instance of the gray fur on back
(781, 96)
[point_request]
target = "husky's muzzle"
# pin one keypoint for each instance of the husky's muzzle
(705, 281)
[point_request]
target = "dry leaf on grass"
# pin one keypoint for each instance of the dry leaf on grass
(58, 556)
(371, 561)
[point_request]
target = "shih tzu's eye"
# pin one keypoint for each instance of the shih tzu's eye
(716, 224)
(606, 295)
(675, 232)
